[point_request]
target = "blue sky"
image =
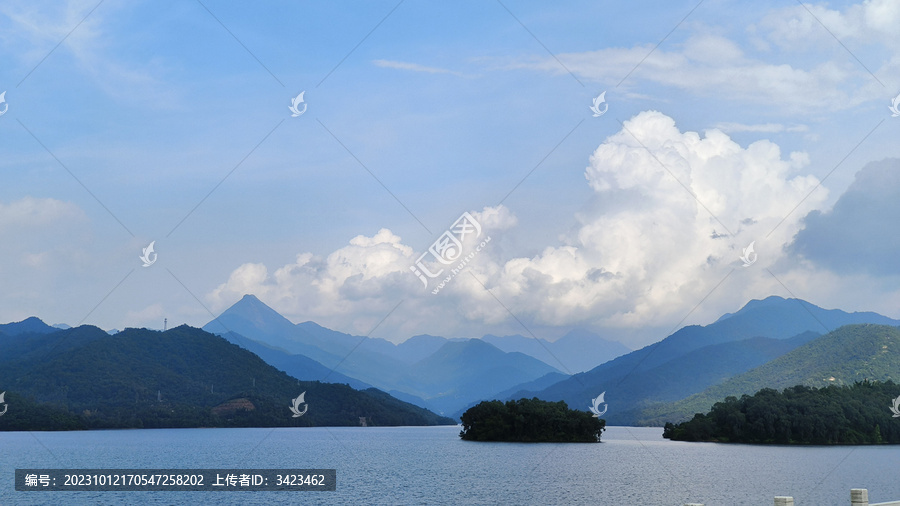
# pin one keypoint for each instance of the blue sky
(169, 122)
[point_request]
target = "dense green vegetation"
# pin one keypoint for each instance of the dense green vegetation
(850, 354)
(856, 414)
(530, 421)
(184, 377)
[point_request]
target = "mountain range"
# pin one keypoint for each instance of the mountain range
(772, 342)
(697, 357)
(441, 374)
(184, 377)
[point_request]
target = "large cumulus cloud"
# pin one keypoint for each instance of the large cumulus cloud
(671, 212)
(674, 210)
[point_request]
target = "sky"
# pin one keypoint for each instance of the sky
(722, 124)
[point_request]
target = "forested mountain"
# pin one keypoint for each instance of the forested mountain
(183, 377)
(848, 355)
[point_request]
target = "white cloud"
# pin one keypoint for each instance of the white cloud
(648, 252)
(761, 128)
(413, 67)
(31, 212)
(654, 249)
(363, 280)
(38, 27)
(790, 60)
(713, 66)
(810, 25)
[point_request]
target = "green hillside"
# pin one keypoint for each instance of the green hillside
(850, 354)
(863, 413)
(184, 377)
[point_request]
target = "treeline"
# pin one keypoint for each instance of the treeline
(856, 414)
(530, 421)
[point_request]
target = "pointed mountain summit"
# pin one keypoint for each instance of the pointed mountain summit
(253, 311)
(357, 357)
(431, 371)
(251, 317)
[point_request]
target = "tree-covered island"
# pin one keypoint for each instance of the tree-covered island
(862, 413)
(530, 421)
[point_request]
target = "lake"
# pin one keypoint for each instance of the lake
(431, 465)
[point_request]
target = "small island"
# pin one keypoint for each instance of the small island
(864, 413)
(530, 421)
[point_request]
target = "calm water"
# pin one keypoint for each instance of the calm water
(413, 465)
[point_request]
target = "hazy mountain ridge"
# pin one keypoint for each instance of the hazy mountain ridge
(297, 366)
(578, 350)
(435, 372)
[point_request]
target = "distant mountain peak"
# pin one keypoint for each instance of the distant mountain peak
(254, 310)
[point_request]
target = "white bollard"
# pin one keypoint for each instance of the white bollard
(859, 497)
(784, 501)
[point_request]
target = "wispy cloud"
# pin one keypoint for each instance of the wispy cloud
(414, 67)
(35, 28)
(773, 128)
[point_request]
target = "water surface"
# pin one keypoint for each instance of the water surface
(431, 465)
